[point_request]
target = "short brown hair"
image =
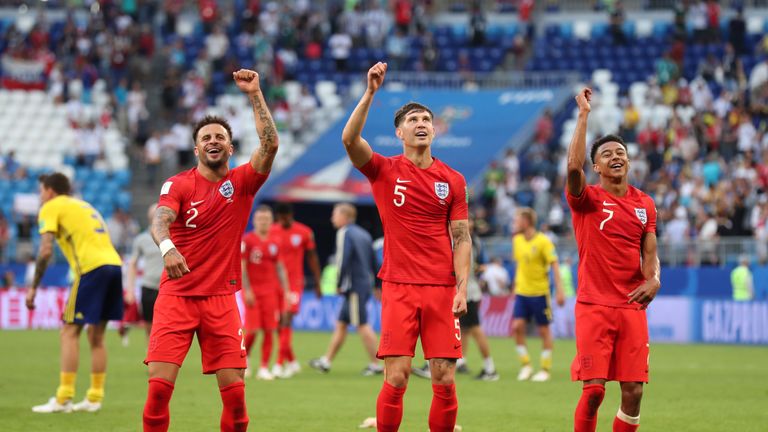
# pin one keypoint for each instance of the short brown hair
(57, 182)
(410, 106)
(263, 208)
(211, 119)
(529, 214)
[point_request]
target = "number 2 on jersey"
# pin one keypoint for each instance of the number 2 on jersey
(399, 189)
(193, 211)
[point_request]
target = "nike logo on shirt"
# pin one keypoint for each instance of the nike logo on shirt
(403, 181)
(608, 204)
(194, 203)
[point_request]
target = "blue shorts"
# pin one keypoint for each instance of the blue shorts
(533, 307)
(353, 310)
(96, 296)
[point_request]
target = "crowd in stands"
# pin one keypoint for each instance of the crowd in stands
(704, 160)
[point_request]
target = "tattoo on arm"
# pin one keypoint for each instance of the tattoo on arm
(43, 258)
(267, 136)
(460, 233)
(163, 219)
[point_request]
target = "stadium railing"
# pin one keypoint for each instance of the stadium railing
(692, 253)
(452, 80)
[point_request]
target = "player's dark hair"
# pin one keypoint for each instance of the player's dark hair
(606, 139)
(57, 182)
(283, 208)
(410, 106)
(211, 119)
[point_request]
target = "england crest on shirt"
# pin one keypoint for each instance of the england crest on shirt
(295, 240)
(640, 213)
(227, 189)
(441, 190)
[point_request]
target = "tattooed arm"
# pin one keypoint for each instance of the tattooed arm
(462, 255)
(175, 264)
(262, 157)
(43, 258)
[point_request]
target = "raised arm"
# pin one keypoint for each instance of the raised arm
(262, 157)
(462, 255)
(358, 149)
(577, 151)
(43, 258)
(174, 262)
(651, 268)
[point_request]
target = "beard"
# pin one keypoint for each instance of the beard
(214, 164)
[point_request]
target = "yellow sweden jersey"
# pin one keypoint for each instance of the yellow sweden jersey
(533, 260)
(80, 232)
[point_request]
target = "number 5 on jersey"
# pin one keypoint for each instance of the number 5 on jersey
(400, 200)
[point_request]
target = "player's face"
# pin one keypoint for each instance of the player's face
(611, 160)
(45, 194)
(520, 223)
(262, 220)
(416, 129)
(338, 219)
(213, 146)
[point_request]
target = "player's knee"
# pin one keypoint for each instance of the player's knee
(398, 378)
(632, 394)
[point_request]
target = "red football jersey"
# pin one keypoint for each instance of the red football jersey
(416, 206)
(609, 231)
(207, 231)
(294, 242)
(261, 256)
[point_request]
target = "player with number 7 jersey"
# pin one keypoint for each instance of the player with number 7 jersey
(615, 225)
(201, 216)
(422, 203)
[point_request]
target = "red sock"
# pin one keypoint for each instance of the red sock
(156, 414)
(585, 418)
(266, 348)
(620, 425)
(250, 338)
(389, 408)
(234, 416)
(442, 414)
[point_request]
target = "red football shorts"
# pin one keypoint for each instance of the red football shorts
(263, 315)
(611, 344)
(409, 311)
(215, 319)
(294, 299)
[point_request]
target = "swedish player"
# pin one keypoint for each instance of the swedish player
(97, 290)
(534, 254)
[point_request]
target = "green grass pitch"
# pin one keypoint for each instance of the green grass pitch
(693, 388)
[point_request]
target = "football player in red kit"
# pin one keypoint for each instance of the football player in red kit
(198, 224)
(423, 207)
(615, 226)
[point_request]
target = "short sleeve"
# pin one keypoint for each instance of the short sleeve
(48, 219)
(371, 169)
(650, 227)
(251, 179)
(582, 203)
(548, 250)
(309, 239)
(460, 202)
(136, 248)
(171, 195)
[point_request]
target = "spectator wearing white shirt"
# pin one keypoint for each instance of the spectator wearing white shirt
(340, 44)
(496, 277)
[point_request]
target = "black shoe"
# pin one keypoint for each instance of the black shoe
(462, 369)
(422, 372)
(371, 371)
(319, 365)
(485, 375)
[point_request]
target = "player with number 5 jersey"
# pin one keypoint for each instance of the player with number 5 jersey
(198, 224)
(422, 203)
(615, 225)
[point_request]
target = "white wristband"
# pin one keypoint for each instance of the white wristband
(166, 245)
